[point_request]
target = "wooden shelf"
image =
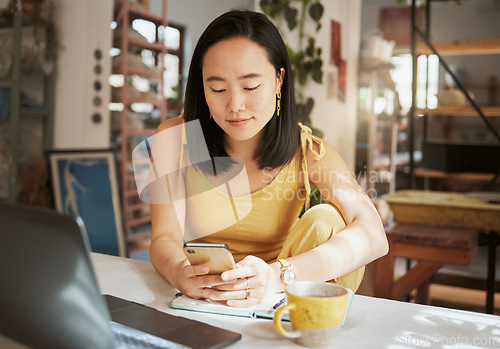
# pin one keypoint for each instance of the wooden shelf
(137, 207)
(482, 177)
(460, 111)
(141, 132)
(135, 42)
(367, 65)
(125, 14)
(155, 102)
(135, 13)
(131, 193)
(6, 23)
(138, 221)
(151, 73)
(134, 132)
(462, 47)
(143, 238)
(34, 112)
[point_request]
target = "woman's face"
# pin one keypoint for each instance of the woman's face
(240, 87)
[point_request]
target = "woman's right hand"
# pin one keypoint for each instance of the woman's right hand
(192, 280)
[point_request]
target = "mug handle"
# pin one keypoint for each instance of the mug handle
(277, 321)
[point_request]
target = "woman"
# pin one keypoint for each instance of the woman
(240, 90)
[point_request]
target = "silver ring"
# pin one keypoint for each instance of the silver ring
(248, 284)
(248, 293)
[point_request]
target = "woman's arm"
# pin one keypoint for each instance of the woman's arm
(360, 242)
(166, 236)
(168, 213)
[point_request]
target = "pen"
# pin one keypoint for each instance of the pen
(277, 305)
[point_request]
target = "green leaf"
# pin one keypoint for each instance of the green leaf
(277, 8)
(265, 5)
(291, 53)
(316, 11)
(317, 75)
(304, 111)
(291, 17)
(309, 105)
(317, 63)
(302, 77)
(310, 47)
(317, 132)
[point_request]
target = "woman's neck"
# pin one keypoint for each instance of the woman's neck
(242, 150)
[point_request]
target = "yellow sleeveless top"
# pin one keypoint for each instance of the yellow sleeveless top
(257, 223)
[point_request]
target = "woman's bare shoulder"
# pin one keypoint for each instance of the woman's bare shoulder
(330, 159)
(169, 123)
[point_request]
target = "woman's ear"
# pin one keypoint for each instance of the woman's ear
(279, 79)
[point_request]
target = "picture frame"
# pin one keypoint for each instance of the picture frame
(335, 43)
(85, 184)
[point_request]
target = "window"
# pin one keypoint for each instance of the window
(428, 80)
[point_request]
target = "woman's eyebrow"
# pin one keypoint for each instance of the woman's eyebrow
(250, 76)
(247, 76)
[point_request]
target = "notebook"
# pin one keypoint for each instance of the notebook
(265, 309)
(49, 296)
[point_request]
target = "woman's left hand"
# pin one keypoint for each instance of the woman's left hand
(254, 280)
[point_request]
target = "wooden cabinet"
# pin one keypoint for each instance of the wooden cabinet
(139, 104)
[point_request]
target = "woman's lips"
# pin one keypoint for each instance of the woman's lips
(238, 122)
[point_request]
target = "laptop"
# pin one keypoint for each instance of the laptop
(49, 297)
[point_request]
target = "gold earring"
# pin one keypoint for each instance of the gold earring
(278, 106)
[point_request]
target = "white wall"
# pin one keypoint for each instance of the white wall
(83, 27)
(338, 119)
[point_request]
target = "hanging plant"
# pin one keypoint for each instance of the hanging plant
(41, 13)
(305, 56)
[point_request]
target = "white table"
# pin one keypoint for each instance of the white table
(371, 323)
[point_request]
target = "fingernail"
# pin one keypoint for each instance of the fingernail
(224, 276)
(230, 303)
(204, 269)
(213, 296)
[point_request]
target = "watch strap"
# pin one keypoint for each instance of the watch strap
(284, 263)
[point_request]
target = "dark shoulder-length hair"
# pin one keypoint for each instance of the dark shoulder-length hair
(281, 134)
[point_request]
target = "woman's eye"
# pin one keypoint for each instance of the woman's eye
(251, 88)
(217, 91)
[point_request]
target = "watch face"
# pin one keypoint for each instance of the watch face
(288, 276)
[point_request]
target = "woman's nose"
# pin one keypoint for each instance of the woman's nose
(236, 102)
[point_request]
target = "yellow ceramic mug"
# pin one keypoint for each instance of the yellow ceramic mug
(316, 310)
